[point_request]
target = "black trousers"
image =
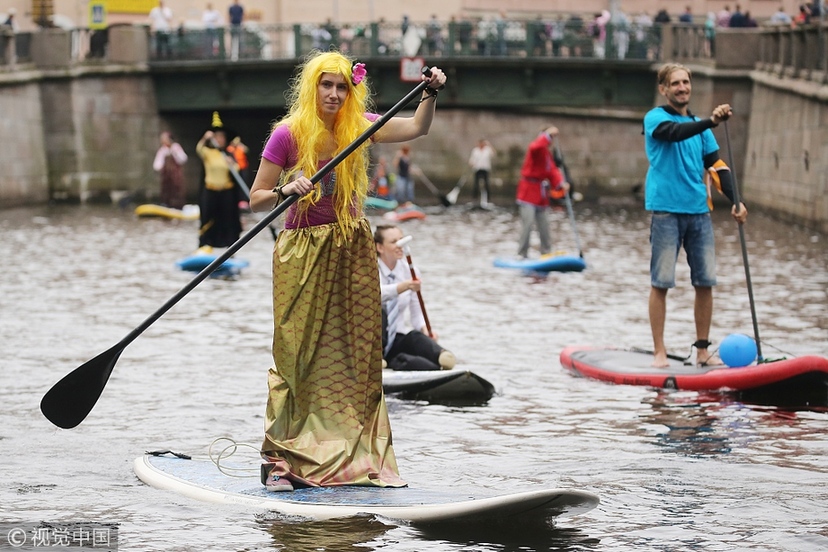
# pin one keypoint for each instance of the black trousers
(220, 219)
(412, 351)
(481, 176)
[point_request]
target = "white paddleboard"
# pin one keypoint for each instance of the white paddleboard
(202, 480)
(451, 386)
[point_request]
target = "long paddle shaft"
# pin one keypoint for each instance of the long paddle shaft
(568, 200)
(72, 398)
(430, 185)
(231, 166)
(738, 203)
(572, 221)
(407, 250)
(455, 192)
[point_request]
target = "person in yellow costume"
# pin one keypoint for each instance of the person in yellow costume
(218, 202)
(326, 423)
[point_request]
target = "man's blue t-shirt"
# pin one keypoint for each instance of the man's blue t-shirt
(236, 14)
(675, 179)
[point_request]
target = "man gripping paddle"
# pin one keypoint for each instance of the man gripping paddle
(681, 149)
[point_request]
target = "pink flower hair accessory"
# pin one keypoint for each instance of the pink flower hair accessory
(358, 73)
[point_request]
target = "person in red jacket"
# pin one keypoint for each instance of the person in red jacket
(538, 177)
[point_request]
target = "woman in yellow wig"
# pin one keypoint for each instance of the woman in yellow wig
(326, 423)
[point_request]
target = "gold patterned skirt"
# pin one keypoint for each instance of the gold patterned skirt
(326, 422)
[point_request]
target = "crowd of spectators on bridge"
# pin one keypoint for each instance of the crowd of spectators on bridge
(602, 34)
(560, 35)
(228, 33)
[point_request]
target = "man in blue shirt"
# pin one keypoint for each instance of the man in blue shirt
(236, 16)
(683, 154)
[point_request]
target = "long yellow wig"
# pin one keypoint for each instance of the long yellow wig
(309, 133)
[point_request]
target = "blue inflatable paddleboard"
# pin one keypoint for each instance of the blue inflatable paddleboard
(373, 202)
(558, 263)
(199, 261)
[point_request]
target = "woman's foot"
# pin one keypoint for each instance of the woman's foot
(277, 483)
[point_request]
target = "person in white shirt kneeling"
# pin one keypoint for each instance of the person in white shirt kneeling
(406, 342)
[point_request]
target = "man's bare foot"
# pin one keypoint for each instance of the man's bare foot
(660, 360)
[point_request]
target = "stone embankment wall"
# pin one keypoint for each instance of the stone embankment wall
(786, 163)
(25, 177)
(77, 132)
(604, 152)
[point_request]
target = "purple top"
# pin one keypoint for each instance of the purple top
(281, 150)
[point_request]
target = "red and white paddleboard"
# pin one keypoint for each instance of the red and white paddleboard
(632, 367)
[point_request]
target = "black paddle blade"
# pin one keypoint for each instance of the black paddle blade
(71, 399)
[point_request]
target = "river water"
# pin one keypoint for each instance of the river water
(674, 470)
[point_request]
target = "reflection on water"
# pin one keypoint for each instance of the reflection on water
(707, 424)
(361, 531)
(689, 429)
(675, 471)
(312, 536)
(511, 536)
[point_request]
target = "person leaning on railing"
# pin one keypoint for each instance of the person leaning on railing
(7, 42)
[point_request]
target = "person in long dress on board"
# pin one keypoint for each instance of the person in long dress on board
(326, 422)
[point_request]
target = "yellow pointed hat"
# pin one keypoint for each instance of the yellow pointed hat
(217, 120)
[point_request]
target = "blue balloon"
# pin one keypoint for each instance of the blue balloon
(737, 350)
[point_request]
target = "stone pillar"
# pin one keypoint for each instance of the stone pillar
(8, 47)
(737, 48)
(668, 41)
(52, 48)
(128, 44)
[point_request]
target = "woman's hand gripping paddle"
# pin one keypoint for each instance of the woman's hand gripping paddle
(72, 398)
(403, 242)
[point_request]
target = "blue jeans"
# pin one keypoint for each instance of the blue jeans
(404, 188)
(668, 233)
